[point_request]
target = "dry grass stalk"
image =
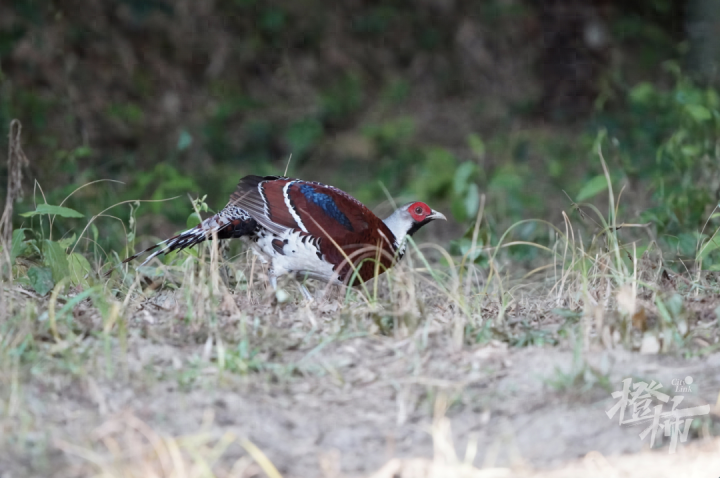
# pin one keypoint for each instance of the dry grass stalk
(16, 161)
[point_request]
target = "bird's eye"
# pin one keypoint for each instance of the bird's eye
(418, 210)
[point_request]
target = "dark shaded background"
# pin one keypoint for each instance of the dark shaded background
(187, 96)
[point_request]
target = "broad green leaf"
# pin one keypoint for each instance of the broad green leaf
(472, 200)
(675, 305)
(477, 145)
(79, 268)
(507, 178)
(462, 176)
(54, 210)
(593, 187)
(691, 150)
(713, 99)
(19, 247)
(41, 279)
(67, 242)
(193, 220)
(687, 243)
(56, 259)
(698, 112)
(465, 246)
(458, 208)
(642, 93)
(184, 141)
(708, 247)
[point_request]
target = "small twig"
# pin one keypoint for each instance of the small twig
(16, 161)
(287, 166)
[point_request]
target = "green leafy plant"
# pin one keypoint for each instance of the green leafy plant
(671, 139)
(51, 263)
(165, 181)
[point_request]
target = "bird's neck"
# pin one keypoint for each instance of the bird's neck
(399, 226)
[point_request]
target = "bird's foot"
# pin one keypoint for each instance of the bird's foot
(306, 293)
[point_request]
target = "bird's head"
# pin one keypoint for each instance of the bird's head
(406, 220)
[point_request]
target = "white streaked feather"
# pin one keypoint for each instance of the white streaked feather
(294, 214)
(259, 209)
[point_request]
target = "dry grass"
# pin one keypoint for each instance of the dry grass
(116, 379)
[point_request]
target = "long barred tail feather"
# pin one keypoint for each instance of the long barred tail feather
(179, 242)
(231, 222)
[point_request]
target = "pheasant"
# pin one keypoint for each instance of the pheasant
(307, 229)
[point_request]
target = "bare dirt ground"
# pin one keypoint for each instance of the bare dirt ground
(322, 391)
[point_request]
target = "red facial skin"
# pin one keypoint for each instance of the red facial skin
(419, 211)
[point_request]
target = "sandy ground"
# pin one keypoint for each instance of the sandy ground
(369, 404)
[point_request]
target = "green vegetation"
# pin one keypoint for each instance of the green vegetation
(571, 246)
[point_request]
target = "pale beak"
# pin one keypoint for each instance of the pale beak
(437, 215)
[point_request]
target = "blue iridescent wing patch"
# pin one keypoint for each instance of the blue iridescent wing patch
(327, 204)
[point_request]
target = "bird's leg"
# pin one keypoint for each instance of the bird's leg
(273, 279)
(305, 292)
